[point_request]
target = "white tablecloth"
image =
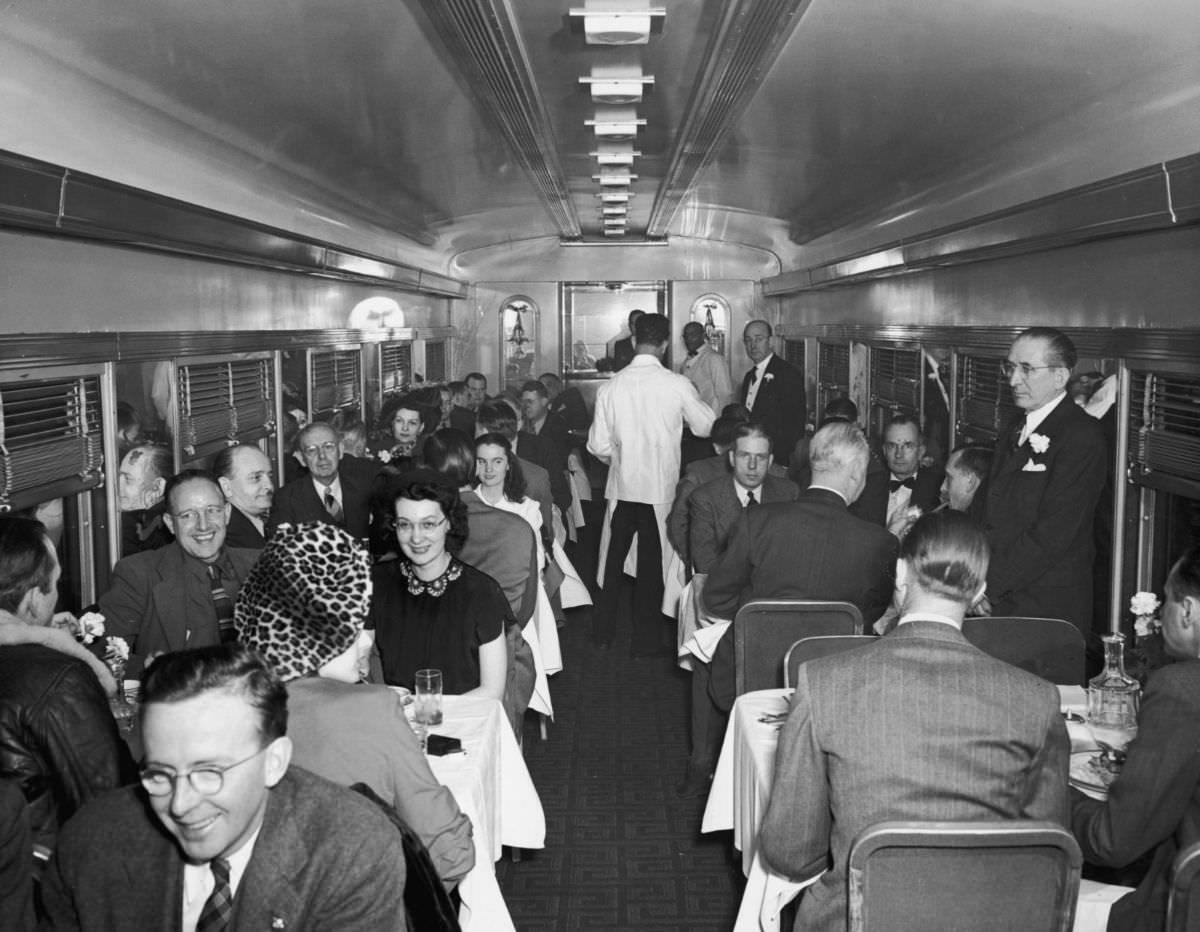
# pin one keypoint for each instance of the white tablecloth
(741, 788)
(492, 786)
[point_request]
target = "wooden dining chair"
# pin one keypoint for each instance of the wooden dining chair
(1048, 647)
(763, 630)
(982, 876)
(1183, 901)
(812, 648)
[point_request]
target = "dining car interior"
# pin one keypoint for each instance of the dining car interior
(221, 222)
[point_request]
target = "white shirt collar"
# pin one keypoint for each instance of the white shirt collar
(836, 492)
(1033, 419)
(929, 616)
(335, 487)
(741, 492)
(762, 366)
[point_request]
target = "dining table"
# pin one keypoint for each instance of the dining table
(492, 786)
(741, 790)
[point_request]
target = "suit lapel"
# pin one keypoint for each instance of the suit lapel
(173, 573)
(272, 897)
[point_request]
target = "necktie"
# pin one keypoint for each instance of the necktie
(218, 908)
(751, 501)
(896, 484)
(753, 377)
(334, 509)
(223, 604)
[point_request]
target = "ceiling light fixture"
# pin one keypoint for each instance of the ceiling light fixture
(614, 153)
(619, 22)
(614, 197)
(616, 122)
(617, 84)
(614, 176)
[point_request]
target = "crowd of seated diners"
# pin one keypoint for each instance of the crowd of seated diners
(420, 544)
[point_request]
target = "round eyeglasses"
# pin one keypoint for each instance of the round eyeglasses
(207, 780)
(1026, 370)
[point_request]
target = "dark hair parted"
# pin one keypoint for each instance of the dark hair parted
(25, 560)
(724, 428)
(514, 479)
(231, 668)
(753, 429)
(904, 420)
(976, 458)
(449, 453)
(947, 555)
(497, 417)
(651, 330)
(1060, 351)
(475, 377)
(425, 485)
(533, 385)
(840, 409)
(188, 475)
(1184, 578)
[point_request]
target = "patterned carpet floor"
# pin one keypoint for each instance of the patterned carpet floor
(622, 852)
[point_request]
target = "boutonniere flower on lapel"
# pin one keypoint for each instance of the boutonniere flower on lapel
(769, 377)
(1039, 442)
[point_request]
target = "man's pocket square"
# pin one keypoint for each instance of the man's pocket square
(1031, 466)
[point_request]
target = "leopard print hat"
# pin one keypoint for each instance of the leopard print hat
(306, 599)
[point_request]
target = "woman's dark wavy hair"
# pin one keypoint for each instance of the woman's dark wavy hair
(424, 485)
(431, 414)
(514, 479)
(186, 674)
(450, 454)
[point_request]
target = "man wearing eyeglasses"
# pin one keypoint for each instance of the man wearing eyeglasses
(180, 595)
(1045, 482)
(890, 496)
(236, 838)
(336, 490)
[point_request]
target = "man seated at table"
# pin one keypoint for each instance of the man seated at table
(966, 473)
(716, 505)
(890, 496)
(1154, 803)
(919, 725)
(698, 472)
(812, 548)
(232, 837)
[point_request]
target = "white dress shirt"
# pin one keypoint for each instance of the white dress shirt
(1033, 419)
(709, 372)
(198, 881)
(760, 371)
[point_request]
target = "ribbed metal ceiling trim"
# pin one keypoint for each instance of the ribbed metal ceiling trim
(482, 39)
(742, 50)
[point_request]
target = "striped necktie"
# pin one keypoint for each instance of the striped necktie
(218, 908)
(335, 509)
(751, 501)
(223, 604)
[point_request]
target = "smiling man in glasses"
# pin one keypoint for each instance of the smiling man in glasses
(180, 595)
(1045, 481)
(249, 843)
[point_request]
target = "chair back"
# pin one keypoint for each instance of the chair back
(807, 649)
(1048, 647)
(763, 630)
(1183, 903)
(982, 876)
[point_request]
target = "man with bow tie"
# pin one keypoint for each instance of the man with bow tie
(706, 368)
(773, 391)
(906, 484)
(1045, 482)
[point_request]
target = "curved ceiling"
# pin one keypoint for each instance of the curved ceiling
(808, 128)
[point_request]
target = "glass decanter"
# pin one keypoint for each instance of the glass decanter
(1113, 698)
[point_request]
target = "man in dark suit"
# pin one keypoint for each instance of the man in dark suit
(696, 474)
(917, 725)
(715, 506)
(889, 495)
(1044, 486)
(773, 391)
(141, 479)
(229, 831)
(966, 477)
(462, 417)
(812, 548)
(1154, 803)
(180, 595)
(567, 403)
(541, 421)
(244, 474)
(337, 489)
(624, 349)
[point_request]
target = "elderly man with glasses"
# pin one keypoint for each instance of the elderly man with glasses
(180, 595)
(1046, 478)
(895, 497)
(232, 837)
(337, 488)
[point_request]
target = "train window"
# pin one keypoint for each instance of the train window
(519, 327)
(833, 372)
(595, 316)
(984, 398)
(146, 409)
(436, 370)
(895, 386)
(332, 380)
(935, 401)
(395, 367)
(224, 401)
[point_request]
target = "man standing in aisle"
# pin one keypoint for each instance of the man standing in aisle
(706, 368)
(231, 837)
(773, 391)
(917, 725)
(639, 420)
(1045, 483)
(623, 349)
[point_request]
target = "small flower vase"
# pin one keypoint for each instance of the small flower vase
(124, 711)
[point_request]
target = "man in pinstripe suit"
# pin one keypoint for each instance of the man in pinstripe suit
(918, 725)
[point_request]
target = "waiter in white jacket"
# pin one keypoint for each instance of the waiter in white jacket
(636, 430)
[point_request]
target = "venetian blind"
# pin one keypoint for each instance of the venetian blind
(395, 367)
(896, 378)
(435, 361)
(1164, 427)
(335, 379)
(984, 398)
(225, 401)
